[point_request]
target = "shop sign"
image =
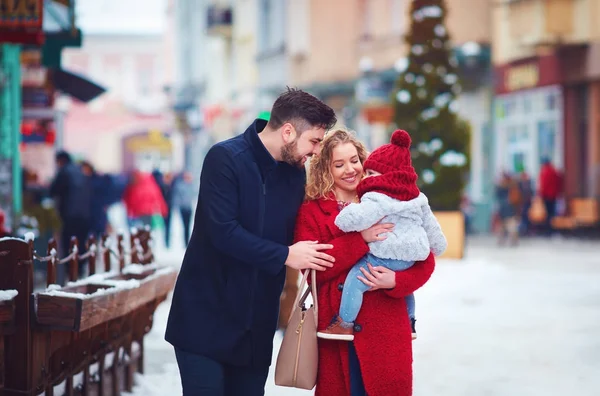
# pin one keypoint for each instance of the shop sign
(522, 77)
(154, 140)
(528, 73)
(36, 97)
(21, 14)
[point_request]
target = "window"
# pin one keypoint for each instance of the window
(398, 11)
(265, 21)
(299, 30)
(145, 81)
(365, 16)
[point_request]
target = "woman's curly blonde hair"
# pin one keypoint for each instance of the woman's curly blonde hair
(320, 180)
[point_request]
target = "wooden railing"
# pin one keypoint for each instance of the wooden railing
(86, 337)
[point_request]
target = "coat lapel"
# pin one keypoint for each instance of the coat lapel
(329, 207)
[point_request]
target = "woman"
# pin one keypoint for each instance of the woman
(379, 361)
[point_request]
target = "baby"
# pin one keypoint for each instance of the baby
(388, 194)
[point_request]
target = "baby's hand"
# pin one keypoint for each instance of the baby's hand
(377, 232)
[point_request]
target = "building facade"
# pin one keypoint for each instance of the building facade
(355, 69)
(132, 69)
(547, 71)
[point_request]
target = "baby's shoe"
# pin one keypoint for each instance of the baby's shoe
(338, 330)
(413, 328)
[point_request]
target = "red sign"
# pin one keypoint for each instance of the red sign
(528, 73)
(21, 21)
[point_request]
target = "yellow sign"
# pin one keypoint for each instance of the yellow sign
(521, 77)
(153, 141)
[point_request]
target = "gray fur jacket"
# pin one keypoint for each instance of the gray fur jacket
(416, 232)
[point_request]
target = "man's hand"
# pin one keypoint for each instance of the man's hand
(308, 255)
(377, 232)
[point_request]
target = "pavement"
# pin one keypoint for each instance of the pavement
(522, 321)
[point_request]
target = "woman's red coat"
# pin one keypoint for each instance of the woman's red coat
(383, 344)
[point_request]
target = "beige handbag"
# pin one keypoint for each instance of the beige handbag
(298, 356)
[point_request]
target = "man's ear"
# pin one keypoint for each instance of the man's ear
(288, 133)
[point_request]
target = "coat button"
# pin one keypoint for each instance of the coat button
(357, 328)
(341, 287)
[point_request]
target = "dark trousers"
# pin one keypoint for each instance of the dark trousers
(201, 376)
(186, 218)
(357, 386)
(550, 205)
(167, 220)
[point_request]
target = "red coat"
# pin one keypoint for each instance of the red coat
(550, 182)
(142, 196)
(383, 344)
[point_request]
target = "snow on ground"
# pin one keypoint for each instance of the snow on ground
(521, 321)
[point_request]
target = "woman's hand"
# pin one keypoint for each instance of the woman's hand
(378, 277)
(376, 232)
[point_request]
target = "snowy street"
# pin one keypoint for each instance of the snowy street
(521, 321)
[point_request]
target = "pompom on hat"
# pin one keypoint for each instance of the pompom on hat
(398, 178)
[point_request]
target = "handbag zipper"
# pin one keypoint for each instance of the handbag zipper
(299, 332)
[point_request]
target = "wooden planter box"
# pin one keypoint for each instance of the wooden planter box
(7, 316)
(453, 226)
(82, 306)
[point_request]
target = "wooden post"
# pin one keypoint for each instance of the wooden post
(69, 386)
(116, 380)
(145, 241)
(74, 262)
(16, 267)
(121, 250)
(101, 370)
(51, 266)
(92, 248)
(134, 246)
(106, 257)
(128, 368)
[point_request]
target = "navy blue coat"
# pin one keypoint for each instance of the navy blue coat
(226, 301)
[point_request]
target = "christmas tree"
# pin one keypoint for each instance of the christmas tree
(425, 106)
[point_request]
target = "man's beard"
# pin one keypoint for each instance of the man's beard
(289, 155)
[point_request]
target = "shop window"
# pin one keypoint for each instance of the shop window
(546, 139)
(550, 101)
(527, 104)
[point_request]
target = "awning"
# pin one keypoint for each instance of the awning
(75, 85)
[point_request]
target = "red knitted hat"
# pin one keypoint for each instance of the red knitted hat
(398, 178)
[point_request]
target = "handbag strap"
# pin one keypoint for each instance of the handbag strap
(303, 294)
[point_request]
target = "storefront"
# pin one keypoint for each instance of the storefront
(582, 119)
(528, 111)
(148, 151)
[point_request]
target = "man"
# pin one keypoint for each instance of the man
(225, 304)
(550, 186)
(72, 190)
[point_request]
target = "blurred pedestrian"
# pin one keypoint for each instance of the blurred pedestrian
(164, 184)
(182, 198)
(526, 188)
(104, 193)
(550, 186)
(143, 199)
(508, 198)
(71, 189)
(4, 231)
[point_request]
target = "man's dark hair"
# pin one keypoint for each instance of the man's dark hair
(64, 157)
(302, 110)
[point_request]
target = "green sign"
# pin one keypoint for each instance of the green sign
(10, 129)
